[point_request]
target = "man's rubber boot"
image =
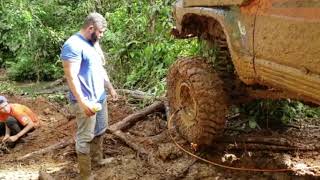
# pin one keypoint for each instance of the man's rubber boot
(96, 152)
(84, 161)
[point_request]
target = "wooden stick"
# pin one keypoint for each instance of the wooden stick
(58, 89)
(159, 138)
(258, 140)
(265, 143)
(135, 117)
(152, 160)
(126, 138)
(243, 146)
(56, 83)
(135, 94)
(58, 145)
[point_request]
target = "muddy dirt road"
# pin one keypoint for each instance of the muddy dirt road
(165, 160)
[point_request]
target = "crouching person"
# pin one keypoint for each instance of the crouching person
(16, 120)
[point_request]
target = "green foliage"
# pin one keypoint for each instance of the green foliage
(8, 88)
(138, 41)
(59, 98)
(30, 89)
(275, 112)
(140, 48)
(32, 33)
(138, 45)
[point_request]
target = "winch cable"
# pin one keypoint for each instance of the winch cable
(170, 126)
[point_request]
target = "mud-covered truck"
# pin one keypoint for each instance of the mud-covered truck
(273, 47)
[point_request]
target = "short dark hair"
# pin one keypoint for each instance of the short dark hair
(95, 19)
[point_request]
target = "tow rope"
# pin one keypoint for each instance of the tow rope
(170, 126)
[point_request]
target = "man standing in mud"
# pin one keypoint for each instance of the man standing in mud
(83, 62)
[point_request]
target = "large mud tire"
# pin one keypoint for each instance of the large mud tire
(196, 96)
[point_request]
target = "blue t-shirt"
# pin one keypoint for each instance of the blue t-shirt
(77, 49)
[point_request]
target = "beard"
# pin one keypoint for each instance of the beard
(94, 38)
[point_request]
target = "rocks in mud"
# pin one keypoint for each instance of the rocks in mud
(45, 176)
(4, 149)
(47, 111)
(169, 151)
(286, 160)
(229, 158)
(282, 160)
(203, 171)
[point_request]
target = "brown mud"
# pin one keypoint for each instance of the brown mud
(167, 162)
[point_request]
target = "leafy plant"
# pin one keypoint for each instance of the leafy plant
(138, 44)
(271, 112)
(31, 36)
(140, 48)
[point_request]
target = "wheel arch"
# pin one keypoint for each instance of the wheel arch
(198, 21)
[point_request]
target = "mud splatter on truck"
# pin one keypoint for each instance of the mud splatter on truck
(273, 46)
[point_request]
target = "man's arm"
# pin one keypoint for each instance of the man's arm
(7, 135)
(109, 86)
(71, 70)
(26, 129)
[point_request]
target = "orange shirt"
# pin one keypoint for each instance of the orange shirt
(21, 113)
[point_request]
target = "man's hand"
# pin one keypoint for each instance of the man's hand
(86, 109)
(5, 138)
(114, 95)
(12, 139)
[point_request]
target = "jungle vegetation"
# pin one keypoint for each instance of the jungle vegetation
(137, 44)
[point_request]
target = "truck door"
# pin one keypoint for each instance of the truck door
(287, 45)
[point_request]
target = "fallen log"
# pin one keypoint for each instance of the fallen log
(58, 145)
(125, 138)
(258, 140)
(58, 89)
(159, 138)
(116, 128)
(131, 142)
(151, 158)
(265, 143)
(244, 146)
(135, 94)
(135, 117)
(56, 83)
